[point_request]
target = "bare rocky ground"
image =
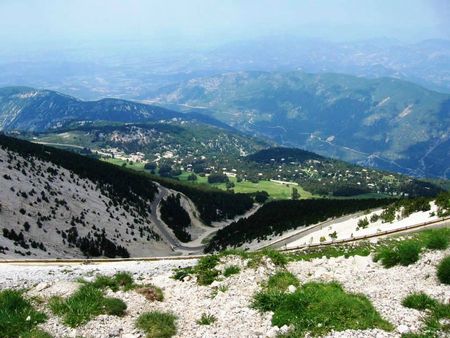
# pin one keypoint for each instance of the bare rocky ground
(52, 200)
(235, 318)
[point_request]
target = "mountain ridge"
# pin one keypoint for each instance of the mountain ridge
(30, 109)
(383, 122)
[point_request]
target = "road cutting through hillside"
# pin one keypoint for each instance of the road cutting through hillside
(442, 222)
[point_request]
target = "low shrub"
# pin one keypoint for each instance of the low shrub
(151, 292)
(157, 324)
(363, 223)
(18, 318)
(443, 271)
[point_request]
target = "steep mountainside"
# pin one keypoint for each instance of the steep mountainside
(60, 204)
(29, 109)
(49, 211)
(387, 123)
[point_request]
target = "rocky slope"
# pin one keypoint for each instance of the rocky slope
(232, 308)
(48, 211)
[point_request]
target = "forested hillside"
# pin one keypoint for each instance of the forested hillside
(385, 122)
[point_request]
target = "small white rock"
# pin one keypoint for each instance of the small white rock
(291, 289)
(402, 329)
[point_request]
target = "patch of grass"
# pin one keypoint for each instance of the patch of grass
(151, 292)
(215, 291)
(205, 271)
(35, 333)
(181, 273)
(405, 252)
(114, 306)
(231, 270)
(443, 270)
(281, 281)
(436, 312)
(318, 308)
(157, 324)
(206, 319)
(17, 315)
(436, 240)
(120, 281)
(85, 304)
(361, 249)
(419, 301)
(277, 258)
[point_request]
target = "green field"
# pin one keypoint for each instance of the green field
(135, 165)
(275, 190)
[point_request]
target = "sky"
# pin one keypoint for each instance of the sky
(30, 22)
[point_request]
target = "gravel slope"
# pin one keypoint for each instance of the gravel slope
(384, 287)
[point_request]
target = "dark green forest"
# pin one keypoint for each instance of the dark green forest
(276, 217)
(173, 214)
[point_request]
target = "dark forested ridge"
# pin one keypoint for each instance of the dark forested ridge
(123, 184)
(212, 204)
(276, 217)
(173, 214)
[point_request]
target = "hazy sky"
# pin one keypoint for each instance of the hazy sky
(27, 21)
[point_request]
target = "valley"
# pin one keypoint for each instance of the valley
(225, 169)
(384, 123)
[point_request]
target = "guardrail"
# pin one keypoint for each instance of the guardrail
(410, 228)
(445, 222)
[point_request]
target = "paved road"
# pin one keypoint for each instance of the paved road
(163, 228)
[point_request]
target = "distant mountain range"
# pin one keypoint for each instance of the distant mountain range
(29, 109)
(385, 122)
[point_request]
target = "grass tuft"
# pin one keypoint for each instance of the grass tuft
(436, 240)
(434, 326)
(120, 281)
(281, 281)
(318, 308)
(157, 324)
(85, 304)
(17, 316)
(206, 319)
(231, 270)
(419, 301)
(443, 270)
(404, 253)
